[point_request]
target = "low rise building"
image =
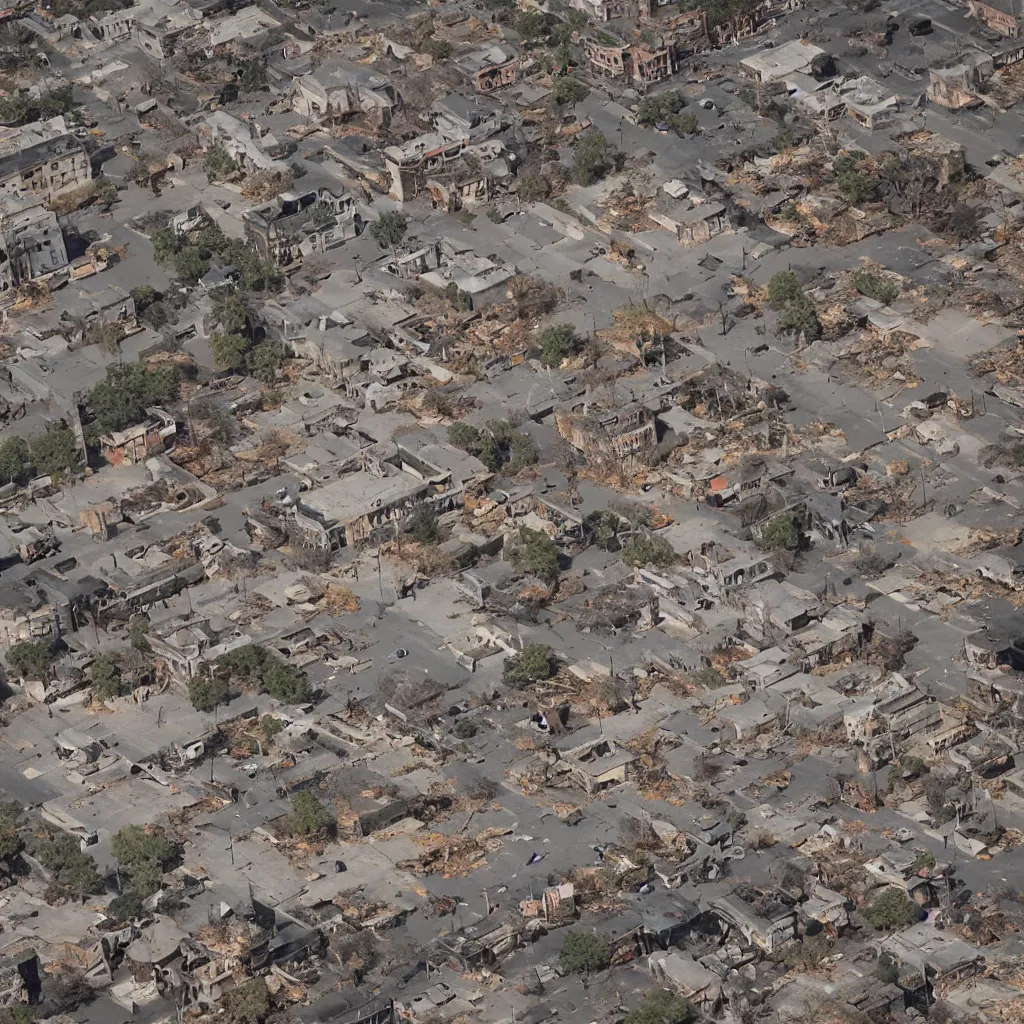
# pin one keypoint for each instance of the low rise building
(45, 169)
(298, 224)
(495, 67)
(33, 244)
(1002, 16)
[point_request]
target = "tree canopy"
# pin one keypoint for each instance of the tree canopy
(74, 873)
(535, 662)
(389, 228)
(309, 816)
(584, 952)
(263, 670)
(121, 400)
(536, 553)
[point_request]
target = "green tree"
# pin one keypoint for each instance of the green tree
(893, 910)
(643, 549)
(963, 222)
(887, 969)
(684, 124)
(654, 109)
(536, 554)
(219, 423)
(30, 659)
(229, 349)
(265, 360)
(126, 908)
(129, 389)
(661, 1007)
(218, 164)
(265, 671)
(800, 316)
(107, 681)
(309, 816)
(207, 692)
(784, 287)
(147, 877)
(11, 841)
(584, 953)
(532, 187)
(439, 49)
(230, 313)
(534, 663)
(389, 229)
(592, 160)
(530, 26)
(857, 187)
(138, 632)
(252, 76)
(465, 728)
(270, 727)
(248, 1003)
(13, 457)
(780, 532)
(424, 527)
(558, 343)
(56, 452)
(134, 845)
(74, 873)
(149, 307)
(568, 90)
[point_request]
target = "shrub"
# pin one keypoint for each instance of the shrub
(219, 164)
(800, 316)
(74, 873)
(389, 228)
(874, 286)
(533, 664)
(134, 845)
(30, 659)
(784, 287)
(466, 728)
(207, 692)
(248, 1003)
(709, 677)
(843, 163)
(126, 908)
(439, 49)
(857, 187)
(424, 527)
(643, 549)
(107, 681)
(567, 89)
(558, 343)
(893, 910)
(780, 532)
(684, 124)
(265, 671)
(591, 161)
(13, 457)
(536, 554)
(887, 970)
(309, 816)
(584, 952)
(531, 187)
(11, 842)
(56, 452)
(653, 109)
(661, 1007)
(270, 727)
